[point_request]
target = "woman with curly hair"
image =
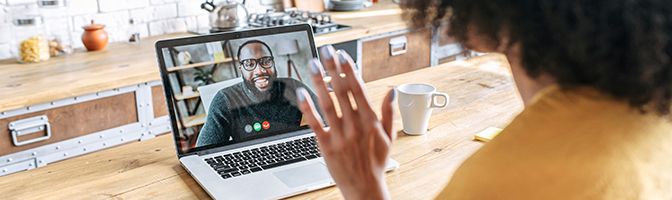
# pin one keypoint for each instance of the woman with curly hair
(596, 80)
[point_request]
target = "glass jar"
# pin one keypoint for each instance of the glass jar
(29, 34)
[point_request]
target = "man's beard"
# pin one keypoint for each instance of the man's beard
(263, 81)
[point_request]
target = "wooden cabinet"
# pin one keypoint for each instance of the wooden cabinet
(36, 135)
(70, 121)
(395, 54)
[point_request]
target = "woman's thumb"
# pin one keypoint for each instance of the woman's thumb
(388, 113)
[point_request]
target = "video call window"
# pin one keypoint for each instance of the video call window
(231, 91)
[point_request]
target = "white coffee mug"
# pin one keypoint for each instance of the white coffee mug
(416, 102)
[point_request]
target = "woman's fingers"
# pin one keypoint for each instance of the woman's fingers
(355, 85)
(330, 62)
(312, 117)
(325, 101)
(387, 109)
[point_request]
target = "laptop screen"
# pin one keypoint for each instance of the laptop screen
(229, 91)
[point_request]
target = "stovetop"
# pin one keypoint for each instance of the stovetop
(321, 22)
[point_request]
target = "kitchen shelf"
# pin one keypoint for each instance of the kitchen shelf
(201, 64)
(195, 120)
(180, 97)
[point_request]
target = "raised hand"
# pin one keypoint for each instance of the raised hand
(356, 144)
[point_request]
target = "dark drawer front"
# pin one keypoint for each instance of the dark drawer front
(74, 120)
(377, 61)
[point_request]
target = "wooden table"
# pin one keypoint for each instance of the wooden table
(123, 64)
(481, 92)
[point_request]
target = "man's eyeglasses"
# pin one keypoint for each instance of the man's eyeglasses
(265, 62)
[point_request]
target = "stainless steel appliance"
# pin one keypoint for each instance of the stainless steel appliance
(227, 15)
(321, 23)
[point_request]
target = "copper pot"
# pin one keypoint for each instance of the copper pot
(94, 37)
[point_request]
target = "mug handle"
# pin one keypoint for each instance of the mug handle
(434, 102)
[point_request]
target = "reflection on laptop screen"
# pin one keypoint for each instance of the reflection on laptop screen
(227, 92)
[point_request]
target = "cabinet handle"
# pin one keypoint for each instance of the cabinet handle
(398, 45)
(30, 126)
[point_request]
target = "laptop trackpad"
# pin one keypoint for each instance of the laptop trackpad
(303, 175)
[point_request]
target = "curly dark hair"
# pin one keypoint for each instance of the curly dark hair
(240, 48)
(620, 47)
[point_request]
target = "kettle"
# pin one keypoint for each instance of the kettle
(226, 15)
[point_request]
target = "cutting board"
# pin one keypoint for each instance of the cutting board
(310, 5)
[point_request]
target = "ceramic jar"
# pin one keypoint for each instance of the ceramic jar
(94, 37)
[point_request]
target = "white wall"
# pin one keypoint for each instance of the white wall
(151, 17)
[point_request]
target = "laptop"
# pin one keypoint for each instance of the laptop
(233, 108)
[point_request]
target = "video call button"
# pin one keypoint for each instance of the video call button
(266, 125)
(248, 128)
(257, 126)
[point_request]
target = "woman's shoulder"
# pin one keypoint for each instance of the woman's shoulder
(571, 146)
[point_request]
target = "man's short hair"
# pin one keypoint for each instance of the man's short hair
(252, 42)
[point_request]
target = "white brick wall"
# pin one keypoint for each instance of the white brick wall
(164, 11)
(117, 5)
(16, 2)
(167, 26)
(190, 8)
(5, 31)
(191, 22)
(150, 17)
(81, 7)
(156, 2)
(4, 16)
(143, 29)
(5, 34)
(5, 51)
(203, 21)
(54, 12)
(60, 28)
(141, 15)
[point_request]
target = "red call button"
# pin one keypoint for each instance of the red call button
(266, 125)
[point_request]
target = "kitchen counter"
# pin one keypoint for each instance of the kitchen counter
(121, 64)
(482, 95)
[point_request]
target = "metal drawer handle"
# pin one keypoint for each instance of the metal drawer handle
(398, 45)
(29, 126)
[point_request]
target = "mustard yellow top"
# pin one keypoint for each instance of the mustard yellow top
(576, 144)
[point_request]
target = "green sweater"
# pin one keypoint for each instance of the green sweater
(236, 110)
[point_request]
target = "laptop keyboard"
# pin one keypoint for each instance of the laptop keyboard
(264, 158)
